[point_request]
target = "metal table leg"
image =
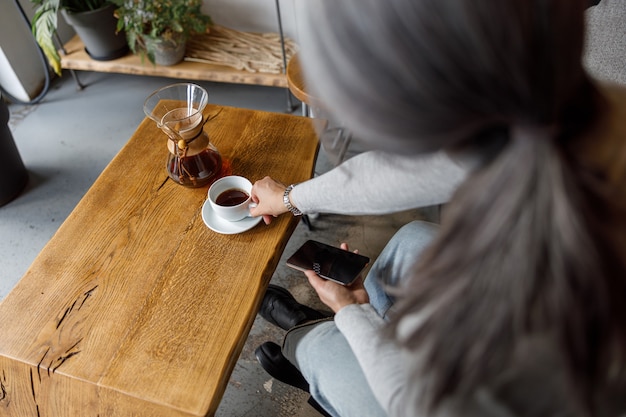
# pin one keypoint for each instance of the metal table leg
(79, 86)
(290, 106)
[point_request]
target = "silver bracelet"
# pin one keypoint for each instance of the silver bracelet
(291, 208)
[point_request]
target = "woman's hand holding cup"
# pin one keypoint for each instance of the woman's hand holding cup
(268, 194)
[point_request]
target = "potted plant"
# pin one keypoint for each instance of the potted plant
(160, 29)
(92, 20)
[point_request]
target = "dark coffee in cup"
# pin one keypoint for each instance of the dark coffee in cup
(231, 197)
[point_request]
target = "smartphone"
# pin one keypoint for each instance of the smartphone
(329, 262)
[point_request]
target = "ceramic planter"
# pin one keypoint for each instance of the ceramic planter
(166, 52)
(96, 29)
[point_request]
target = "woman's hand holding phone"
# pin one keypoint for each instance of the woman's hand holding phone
(337, 296)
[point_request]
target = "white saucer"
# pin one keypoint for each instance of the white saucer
(219, 225)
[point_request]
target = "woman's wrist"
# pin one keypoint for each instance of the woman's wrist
(287, 201)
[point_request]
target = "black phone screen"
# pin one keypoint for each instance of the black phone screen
(328, 262)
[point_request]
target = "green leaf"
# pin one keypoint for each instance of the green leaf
(43, 26)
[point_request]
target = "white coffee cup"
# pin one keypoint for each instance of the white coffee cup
(230, 197)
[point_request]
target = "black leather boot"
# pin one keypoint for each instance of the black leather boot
(280, 308)
(271, 358)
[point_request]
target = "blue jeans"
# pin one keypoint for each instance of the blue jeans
(324, 356)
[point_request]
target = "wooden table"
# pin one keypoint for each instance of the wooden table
(135, 307)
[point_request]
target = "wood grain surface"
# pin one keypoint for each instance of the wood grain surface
(77, 59)
(135, 307)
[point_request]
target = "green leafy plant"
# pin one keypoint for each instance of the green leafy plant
(45, 22)
(169, 20)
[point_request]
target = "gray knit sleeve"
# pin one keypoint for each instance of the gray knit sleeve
(377, 182)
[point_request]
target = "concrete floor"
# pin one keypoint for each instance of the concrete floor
(68, 139)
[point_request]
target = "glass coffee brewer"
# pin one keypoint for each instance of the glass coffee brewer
(177, 109)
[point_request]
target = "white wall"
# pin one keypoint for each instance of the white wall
(255, 15)
(247, 15)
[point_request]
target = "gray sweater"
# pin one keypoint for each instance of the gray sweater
(376, 183)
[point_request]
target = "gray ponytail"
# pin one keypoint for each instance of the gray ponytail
(517, 256)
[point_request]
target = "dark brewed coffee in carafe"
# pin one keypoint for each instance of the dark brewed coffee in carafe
(197, 170)
(192, 159)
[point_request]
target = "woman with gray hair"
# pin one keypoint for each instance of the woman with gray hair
(515, 304)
